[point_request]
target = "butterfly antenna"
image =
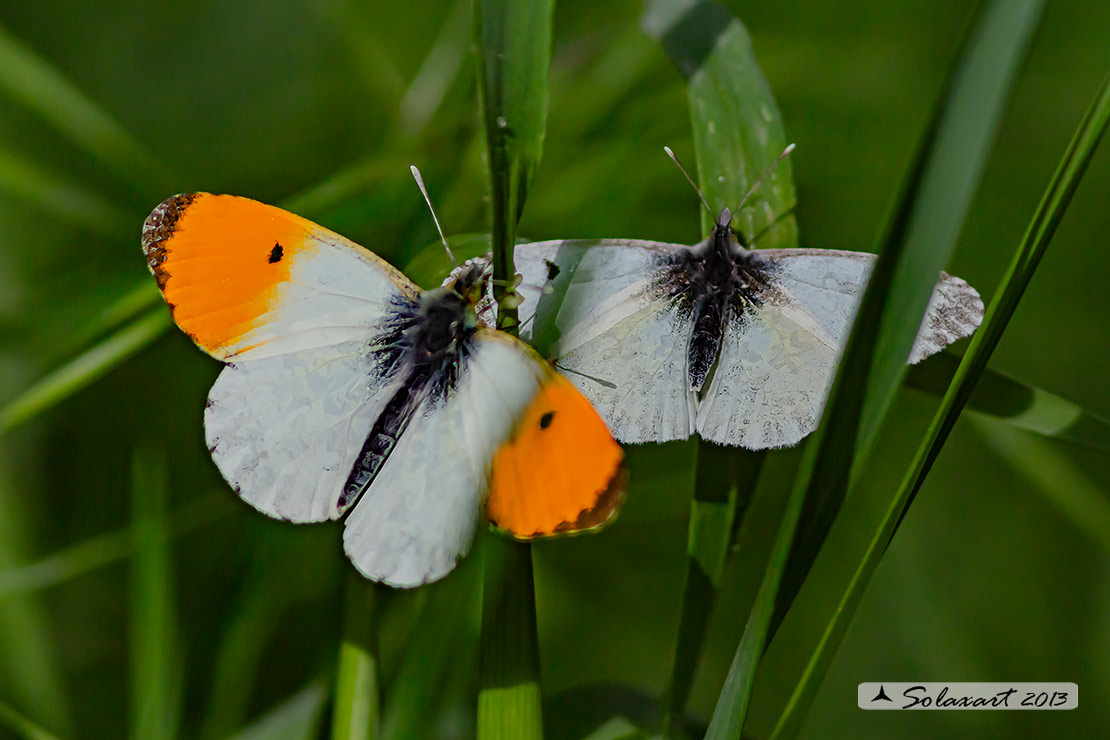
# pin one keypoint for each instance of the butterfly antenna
(424, 191)
(763, 177)
(690, 180)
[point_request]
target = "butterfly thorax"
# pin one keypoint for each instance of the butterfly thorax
(711, 282)
(422, 349)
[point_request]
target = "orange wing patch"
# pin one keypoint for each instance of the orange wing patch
(219, 259)
(561, 471)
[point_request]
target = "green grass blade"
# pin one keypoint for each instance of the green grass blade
(509, 701)
(59, 196)
(972, 110)
(131, 305)
(514, 53)
(425, 92)
(618, 728)
(296, 718)
(83, 369)
(724, 482)
(355, 715)
(917, 243)
(443, 642)
(737, 126)
(32, 677)
(29, 79)
(738, 133)
(1061, 481)
(732, 705)
(100, 551)
(254, 617)
(1018, 404)
(22, 726)
(155, 669)
(1035, 241)
(514, 45)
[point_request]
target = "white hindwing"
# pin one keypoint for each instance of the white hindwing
(611, 332)
(285, 429)
(418, 516)
(778, 359)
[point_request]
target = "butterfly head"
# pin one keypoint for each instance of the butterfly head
(470, 281)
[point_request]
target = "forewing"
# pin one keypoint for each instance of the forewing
(955, 311)
(418, 516)
(249, 280)
(285, 429)
(605, 321)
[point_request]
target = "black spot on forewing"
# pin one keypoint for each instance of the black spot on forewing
(546, 419)
(552, 269)
(276, 253)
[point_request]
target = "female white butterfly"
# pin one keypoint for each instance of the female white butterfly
(738, 345)
(347, 386)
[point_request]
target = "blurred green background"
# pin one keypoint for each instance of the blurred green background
(1001, 572)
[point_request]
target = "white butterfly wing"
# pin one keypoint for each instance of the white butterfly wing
(293, 308)
(955, 311)
(419, 515)
(285, 430)
(778, 359)
(771, 377)
(612, 332)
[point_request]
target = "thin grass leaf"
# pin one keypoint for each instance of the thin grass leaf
(732, 705)
(254, 618)
(617, 728)
(355, 715)
(425, 92)
(83, 369)
(738, 133)
(514, 45)
(22, 726)
(1018, 404)
(1036, 239)
(509, 700)
(31, 673)
(131, 305)
(156, 677)
(968, 124)
(101, 551)
(296, 718)
(443, 640)
(588, 709)
(37, 84)
(737, 126)
(514, 53)
(59, 196)
(916, 244)
(1084, 503)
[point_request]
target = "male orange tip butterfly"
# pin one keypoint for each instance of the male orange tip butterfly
(348, 389)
